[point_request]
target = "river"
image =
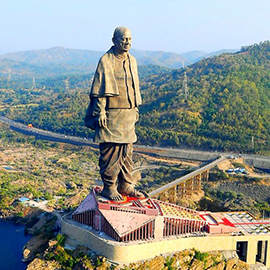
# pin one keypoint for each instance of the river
(12, 240)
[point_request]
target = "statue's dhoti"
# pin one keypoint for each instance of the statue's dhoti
(116, 165)
(120, 127)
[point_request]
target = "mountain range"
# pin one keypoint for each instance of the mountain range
(58, 61)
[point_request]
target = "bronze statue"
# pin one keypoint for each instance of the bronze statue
(112, 113)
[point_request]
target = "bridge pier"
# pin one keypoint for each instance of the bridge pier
(197, 182)
(189, 186)
(181, 190)
(186, 188)
(205, 175)
(172, 195)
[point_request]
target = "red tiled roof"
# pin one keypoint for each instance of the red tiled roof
(88, 204)
(125, 222)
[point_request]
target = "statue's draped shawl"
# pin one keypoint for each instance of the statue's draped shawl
(104, 83)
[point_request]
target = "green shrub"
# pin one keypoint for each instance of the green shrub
(61, 239)
(201, 256)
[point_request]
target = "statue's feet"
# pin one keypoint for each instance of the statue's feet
(129, 190)
(112, 194)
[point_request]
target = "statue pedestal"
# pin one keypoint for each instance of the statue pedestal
(136, 230)
(131, 230)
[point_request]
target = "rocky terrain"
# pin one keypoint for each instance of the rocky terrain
(187, 260)
(251, 190)
(237, 191)
(42, 230)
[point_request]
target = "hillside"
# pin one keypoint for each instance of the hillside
(228, 104)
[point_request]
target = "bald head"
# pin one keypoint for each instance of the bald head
(122, 39)
(120, 31)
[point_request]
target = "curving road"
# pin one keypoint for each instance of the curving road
(262, 162)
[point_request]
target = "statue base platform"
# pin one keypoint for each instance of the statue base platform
(135, 230)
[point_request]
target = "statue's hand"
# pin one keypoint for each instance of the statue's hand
(102, 121)
(137, 115)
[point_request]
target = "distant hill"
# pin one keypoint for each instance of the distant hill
(55, 55)
(60, 61)
(53, 62)
(20, 70)
(61, 55)
(166, 59)
(217, 53)
(195, 56)
(228, 104)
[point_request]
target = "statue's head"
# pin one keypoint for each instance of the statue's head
(122, 39)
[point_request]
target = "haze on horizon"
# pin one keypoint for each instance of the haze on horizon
(172, 26)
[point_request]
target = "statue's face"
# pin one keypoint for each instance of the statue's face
(122, 42)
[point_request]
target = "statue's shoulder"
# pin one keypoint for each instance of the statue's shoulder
(132, 57)
(107, 57)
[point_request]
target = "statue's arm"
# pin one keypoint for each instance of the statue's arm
(99, 110)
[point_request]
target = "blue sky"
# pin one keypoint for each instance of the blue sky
(172, 25)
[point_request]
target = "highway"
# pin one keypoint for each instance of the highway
(46, 135)
(258, 161)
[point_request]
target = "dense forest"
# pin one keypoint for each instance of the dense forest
(224, 103)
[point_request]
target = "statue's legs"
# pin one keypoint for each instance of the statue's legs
(125, 179)
(116, 166)
(109, 169)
